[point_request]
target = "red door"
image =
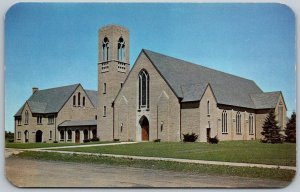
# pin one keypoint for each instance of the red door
(145, 133)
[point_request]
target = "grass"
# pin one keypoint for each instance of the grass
(228, 151)
(277, 174)
(43, 145)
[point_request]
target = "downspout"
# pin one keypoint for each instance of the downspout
(113, 120)
(55, 128)
(179, 100)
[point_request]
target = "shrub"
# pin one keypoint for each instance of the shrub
(213, 140)
(95, 139)
(156, 140)
(11, 140)
(116, 140)
(190, 137)
(86, 140)
(55, 142)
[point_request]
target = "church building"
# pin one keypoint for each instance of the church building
(160, 97)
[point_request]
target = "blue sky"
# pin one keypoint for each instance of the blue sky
(50, 45)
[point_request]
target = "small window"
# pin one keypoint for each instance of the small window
(95, 117)
(51, 119)
(19, 134)
(74, 100)
(79, 99)
(104, 111)
(121, 49)
(19, 121)
(83, 101)
(39, 119)
(50, 135)
(121, 85)
(104, 88)
(121, 127)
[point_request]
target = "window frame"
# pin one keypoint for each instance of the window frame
(144, 85)
(224, 122)
(238, 123)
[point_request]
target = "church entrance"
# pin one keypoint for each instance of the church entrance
(77, 136)
(145, 128)
(38, 136)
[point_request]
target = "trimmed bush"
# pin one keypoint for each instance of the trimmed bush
(116, 140)
(190, 137)
(213, 140)
(11, 140)
(95, 139)
(86, 140)
(156, 140)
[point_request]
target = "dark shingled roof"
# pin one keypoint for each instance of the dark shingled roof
(70, 123)
(188, 81)
(52, 100)
(266, 100)
(93, 95)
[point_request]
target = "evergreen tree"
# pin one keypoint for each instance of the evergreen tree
(271, 131)
(290, 130)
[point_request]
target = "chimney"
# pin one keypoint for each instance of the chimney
(34, 89)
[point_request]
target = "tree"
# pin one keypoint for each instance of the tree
(271, 131)
(290, 130)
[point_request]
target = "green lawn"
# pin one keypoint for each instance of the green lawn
(279, 174)
(43, 145)
(229, 151)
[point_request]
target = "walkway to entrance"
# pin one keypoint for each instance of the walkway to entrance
(145, 128)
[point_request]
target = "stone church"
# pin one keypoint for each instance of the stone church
(160, 97)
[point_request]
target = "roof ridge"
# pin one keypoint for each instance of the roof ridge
(59, 87)
(197, 65)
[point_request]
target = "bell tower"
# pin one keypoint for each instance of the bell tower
(113, 68)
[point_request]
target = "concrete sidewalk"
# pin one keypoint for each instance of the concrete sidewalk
(174, 160)
(78, 146)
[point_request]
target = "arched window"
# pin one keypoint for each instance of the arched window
(208, 108)
(121, 49)
(238, 123)
(69, 135)
(62, 135)
(224, 122)
(79, 99)
(74, 100)
(105, 46)
(251, 127)
(83, 101)
(143, 89)
(26, 117)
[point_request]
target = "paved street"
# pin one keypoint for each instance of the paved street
(34, 173)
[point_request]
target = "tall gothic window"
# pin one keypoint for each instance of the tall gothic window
(79, 99)
(121, 49)
(74, 100)
(143, 89)
(105, 47)
(26, 117)
(238, 123)
(251, 127)
(224, 122)
(208, 108)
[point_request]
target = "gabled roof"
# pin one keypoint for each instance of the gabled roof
(71, 123)
(187, 80)
(49, 100)
(266, 100)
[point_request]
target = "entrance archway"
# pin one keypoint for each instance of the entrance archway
(39, 136)
(145, 128)
(26, 134)
(77, 136)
